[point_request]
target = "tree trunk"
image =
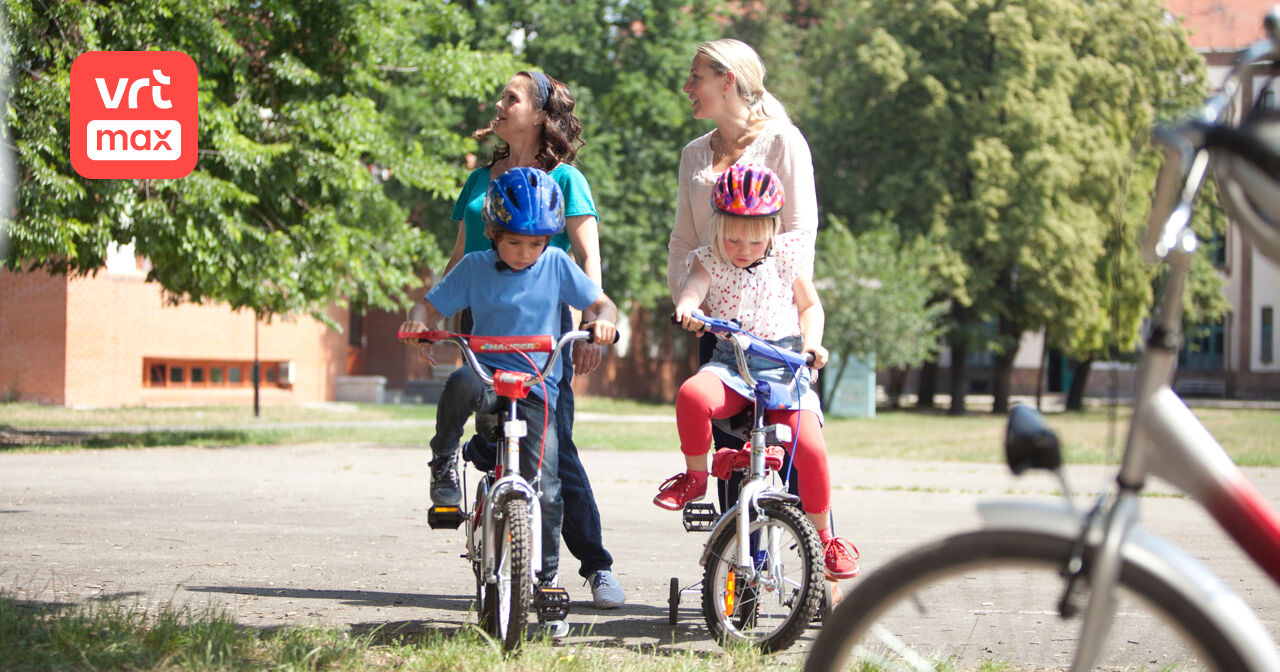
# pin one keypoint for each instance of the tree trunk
(959, 351)
(1079, 381)
(928, 385)
(1003, 373)
(895, 385)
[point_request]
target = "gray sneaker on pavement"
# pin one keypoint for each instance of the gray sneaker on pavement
(606, 592)
(445, 490)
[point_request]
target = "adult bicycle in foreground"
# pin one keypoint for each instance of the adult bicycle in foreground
(1045, 587)
(504, 524)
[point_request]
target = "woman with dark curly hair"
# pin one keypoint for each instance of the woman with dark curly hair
(536, 126)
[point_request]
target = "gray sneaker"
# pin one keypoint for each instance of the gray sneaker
(445, 490)
(606, 592)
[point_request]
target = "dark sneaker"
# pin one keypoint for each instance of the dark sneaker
(445, 490)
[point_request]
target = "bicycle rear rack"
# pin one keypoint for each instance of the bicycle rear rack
(700, 516)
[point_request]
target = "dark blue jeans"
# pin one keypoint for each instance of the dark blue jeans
(582, 534)
(464, 394)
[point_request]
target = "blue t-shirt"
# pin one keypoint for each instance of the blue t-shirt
(577, 201)
(515, 303)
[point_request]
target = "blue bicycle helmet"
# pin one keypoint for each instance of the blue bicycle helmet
(525, 201)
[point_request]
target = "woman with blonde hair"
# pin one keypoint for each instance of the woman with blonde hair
(726, 85)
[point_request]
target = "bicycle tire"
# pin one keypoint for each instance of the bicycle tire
(928, 609)
(773, 613)
(507, 601)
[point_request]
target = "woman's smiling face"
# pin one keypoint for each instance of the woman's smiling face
(705, 88)
(517, 109)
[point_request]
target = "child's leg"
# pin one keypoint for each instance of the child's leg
(701, 398)
(464, 393)
(532, 412)
(810, 459)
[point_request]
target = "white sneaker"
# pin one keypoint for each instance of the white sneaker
(606, 592)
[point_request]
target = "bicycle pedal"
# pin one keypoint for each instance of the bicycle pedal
(445, 517)
(552, 604)
(700, 516)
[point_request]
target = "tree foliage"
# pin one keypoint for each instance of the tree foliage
(302, 107)
(1013, 135)
(877, 297)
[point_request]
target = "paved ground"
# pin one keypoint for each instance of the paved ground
(337, 534)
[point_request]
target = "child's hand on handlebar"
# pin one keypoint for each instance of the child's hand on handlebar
(684, 317)
(425, 350)
(603, 332)
(820, 356)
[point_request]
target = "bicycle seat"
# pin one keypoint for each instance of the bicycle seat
(737, 425)
(480, 453)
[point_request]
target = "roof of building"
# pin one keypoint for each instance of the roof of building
(1220, 25)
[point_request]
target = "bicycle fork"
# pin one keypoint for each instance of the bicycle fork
(512, 484)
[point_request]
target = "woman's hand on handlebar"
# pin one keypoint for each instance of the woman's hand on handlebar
(425, 350)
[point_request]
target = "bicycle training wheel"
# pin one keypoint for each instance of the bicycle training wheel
(507, 601)
(771, 609)
(989, 600)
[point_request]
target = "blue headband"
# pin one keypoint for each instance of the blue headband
(544, 87)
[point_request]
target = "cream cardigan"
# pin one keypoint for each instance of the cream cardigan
(782, 148)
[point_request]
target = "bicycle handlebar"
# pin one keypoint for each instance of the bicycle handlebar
(754, 345)
(496, 344)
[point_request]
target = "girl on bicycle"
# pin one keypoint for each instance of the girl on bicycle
(751, 274)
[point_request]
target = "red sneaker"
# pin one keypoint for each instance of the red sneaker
(840, 557)
(726, 460)
(681, 489)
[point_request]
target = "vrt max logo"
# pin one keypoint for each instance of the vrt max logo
(133, 114)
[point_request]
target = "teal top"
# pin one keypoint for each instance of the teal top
(577, 201)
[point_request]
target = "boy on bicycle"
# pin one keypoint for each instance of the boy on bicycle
(514, 289)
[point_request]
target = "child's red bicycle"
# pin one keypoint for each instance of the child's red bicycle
(503, 534)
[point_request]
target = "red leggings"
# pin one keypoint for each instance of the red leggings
(704, 397)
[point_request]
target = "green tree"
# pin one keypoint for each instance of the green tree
(320, 122)
(877, 297)
(1011, 133)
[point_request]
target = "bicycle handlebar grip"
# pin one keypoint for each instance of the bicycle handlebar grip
(429, 336)
(591, 337)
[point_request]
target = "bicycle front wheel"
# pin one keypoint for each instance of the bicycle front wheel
(989, 600)
(507, 601)
(771, 604)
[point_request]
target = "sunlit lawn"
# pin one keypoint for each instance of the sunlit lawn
(1252, 437)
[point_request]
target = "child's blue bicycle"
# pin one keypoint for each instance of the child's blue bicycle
(504, 525)
(763, 577)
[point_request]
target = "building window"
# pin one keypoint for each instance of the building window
(203, 374)
(1204, 349)
(1268, 335)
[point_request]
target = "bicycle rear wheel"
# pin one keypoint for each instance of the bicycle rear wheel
(507, 601)
(771, 608)
(989, 600)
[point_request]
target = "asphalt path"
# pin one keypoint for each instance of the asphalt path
(336, 534)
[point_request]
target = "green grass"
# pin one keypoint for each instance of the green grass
(1251, 437)
(109, 636)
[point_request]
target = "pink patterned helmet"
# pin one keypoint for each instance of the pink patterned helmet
(747, 190)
